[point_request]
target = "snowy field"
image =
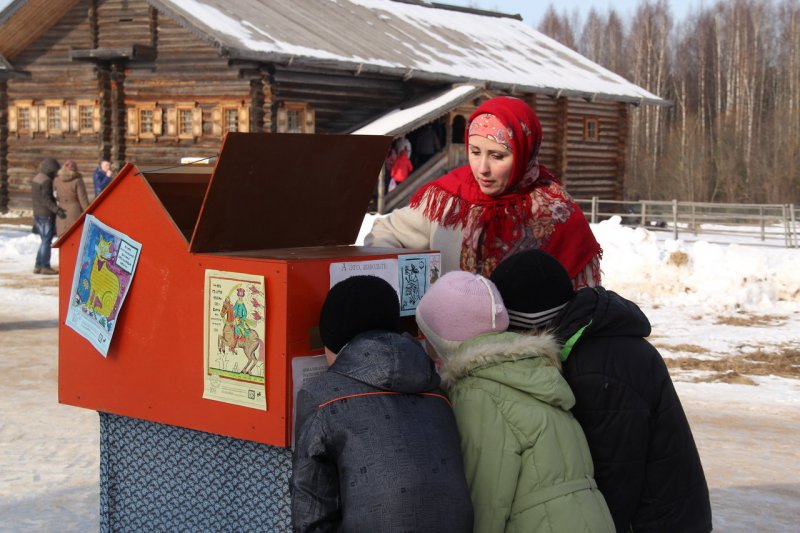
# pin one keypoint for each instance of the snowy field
(725, 316)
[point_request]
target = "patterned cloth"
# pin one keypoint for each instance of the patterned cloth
(156, 477)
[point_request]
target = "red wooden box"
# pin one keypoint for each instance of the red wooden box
(284, 206)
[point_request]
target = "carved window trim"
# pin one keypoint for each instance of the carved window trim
(224, 114)
(16, 111)
(54, 117)
(85, 117)
(295, 117)
(145, 121)
(591, 129)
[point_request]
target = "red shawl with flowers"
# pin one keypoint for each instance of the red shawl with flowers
(533, 212)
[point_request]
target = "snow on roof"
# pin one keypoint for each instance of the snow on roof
(413, 40)
(402, 120)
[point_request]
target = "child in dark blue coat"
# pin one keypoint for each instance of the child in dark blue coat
(377, 448)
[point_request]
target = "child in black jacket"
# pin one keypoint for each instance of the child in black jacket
(646, 462)
(377, 448)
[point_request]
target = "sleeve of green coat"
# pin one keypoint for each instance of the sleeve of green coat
(492, 460)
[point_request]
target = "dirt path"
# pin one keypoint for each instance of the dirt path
(751, 460)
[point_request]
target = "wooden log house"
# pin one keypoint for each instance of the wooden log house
(155, 81)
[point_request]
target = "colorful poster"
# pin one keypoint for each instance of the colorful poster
(234, 352)
(413, 281)
(417, 274)
(104, 271)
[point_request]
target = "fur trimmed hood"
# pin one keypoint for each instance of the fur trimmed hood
(495, 348)
(65, 174)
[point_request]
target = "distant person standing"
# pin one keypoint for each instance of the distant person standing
(102, 177)
(401, 169)
(427, 145)
(70, 195)
(45, 211)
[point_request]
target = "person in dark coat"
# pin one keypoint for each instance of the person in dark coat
(646, 461)
(102, 177)
(45, 211)
(376, 443)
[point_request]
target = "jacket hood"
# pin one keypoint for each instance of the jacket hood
(49, 167)
(66, 174)
(388, 361)
(527, 362)
(603, 314)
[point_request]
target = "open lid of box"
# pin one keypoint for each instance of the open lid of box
(286, 190)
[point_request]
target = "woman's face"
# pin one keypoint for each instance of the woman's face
(491, 165)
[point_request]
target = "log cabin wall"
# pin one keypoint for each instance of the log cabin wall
(595, 137)
(343, 101)
(187, 79)
(548, 112)
(177, 101)
(3, 144)
(54, 79)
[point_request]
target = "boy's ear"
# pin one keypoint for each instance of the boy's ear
(330, 357)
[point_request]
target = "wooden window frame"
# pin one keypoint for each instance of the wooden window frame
(588, 135)
(14, 114)
(79, 127)
(305, 113)
(135, 123)
(218, 123)
(61, 110)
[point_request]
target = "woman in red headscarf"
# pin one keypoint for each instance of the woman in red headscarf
(501, 203)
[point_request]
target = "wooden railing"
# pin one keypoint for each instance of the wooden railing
(769, 223)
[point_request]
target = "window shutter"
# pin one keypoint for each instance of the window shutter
(244, 119)
(216, 121)
(172, 122)
(96, 118)
(65, 120)
(73, 124)
(283, 119)
(158, 122)
(34, 120)
(310, 120)
(41, 112)
(12, 119)
(133, 122)
(197, 121)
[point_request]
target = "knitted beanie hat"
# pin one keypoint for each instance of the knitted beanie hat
(356, 305)
(459, 306)
(534, 286)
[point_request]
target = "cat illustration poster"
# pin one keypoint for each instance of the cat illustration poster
(106, 263)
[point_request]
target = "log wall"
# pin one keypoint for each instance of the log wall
(183, 69)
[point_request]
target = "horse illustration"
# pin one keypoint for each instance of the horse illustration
(249, 343)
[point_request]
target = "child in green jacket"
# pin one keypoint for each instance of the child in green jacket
(526, 459)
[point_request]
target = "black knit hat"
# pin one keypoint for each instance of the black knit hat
(534, 287)
(356, 305)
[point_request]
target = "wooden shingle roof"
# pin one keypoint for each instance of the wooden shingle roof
(409, 39)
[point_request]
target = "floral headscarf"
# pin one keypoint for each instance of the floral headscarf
(534, 211)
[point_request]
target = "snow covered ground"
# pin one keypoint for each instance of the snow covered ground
(726, 317)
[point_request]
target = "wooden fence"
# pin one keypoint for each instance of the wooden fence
(769, 223)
